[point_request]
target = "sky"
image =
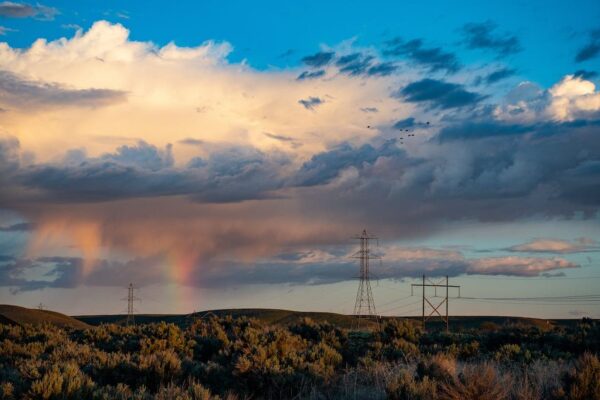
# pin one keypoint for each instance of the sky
(227, 154)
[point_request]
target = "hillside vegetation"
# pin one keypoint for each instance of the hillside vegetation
(287, 317)
(16, 315)
(241, 358)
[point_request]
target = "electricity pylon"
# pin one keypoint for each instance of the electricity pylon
(434, 309)
(130, 299)
(364, 306)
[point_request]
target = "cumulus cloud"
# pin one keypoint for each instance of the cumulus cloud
(433, 58)
(104, 180)
(10, 9)
(483, 36)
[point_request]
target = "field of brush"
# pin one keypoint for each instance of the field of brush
(231, 356)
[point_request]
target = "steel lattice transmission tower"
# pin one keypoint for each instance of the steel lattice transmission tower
(130, 299)
(364, 307)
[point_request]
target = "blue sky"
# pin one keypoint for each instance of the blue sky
(221, 154)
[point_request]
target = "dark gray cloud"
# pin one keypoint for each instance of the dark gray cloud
(20, 227)
(319, 59)
(369, 109)
(439, 94)
(409, 123)
(192, 142)
(583, 74)
(323, 167)
(482, 36)
(382, 69)
(227, 175)
(496, 76)
(348, 59)
(591, 49)
(16, 92)
(281, 138)
(311, 102)
(482, 130)
(355, 64)
(311, 75)
(434, 58)
(10, 9)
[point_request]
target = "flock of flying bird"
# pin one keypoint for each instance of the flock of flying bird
(405, 130)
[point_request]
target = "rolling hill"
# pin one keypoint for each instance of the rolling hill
(10, 314)
(288, 317)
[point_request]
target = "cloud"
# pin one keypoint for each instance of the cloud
(311, 75)
(591, 49)
(435, 59)
(308, 266)
(382, 69)
(311, 102)
(319, 59)
(229, 174)
(369, 109)
(482, 36)
(497, 75)
(323, 167)
(4, 30)
(557, 246)
(355, 64)
(103, 181)
(192, 142)
(20, 227)
(585, 75)
(518, 266)
(409, 123)
(10, 9)
(439, 94)
(16, 92)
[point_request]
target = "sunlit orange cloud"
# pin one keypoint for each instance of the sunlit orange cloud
(173, 93)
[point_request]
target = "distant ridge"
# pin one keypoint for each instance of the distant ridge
(288, 317)
(15, 315)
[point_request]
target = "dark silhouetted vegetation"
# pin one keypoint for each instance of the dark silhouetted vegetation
(241, 358)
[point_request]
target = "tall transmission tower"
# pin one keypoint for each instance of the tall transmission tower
(130, 299)
(433, 309)
(364, 307)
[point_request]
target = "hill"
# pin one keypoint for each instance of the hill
(10, 314)
(288, 317)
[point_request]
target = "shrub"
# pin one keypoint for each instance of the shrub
(404, 386)
(476, 382)
(583, 381)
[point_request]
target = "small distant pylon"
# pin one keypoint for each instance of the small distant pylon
(364, 306)
(41, 306)
(130, 299)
